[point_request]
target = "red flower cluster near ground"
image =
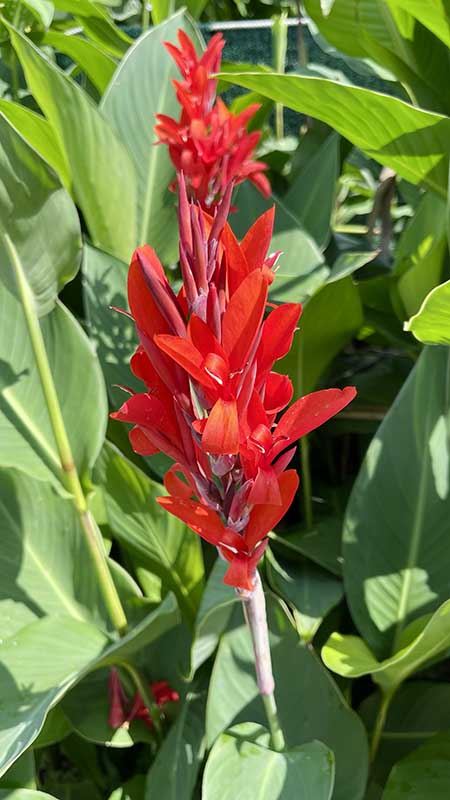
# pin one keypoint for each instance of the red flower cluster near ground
(209, 144)
(212, 399)
(122, 711)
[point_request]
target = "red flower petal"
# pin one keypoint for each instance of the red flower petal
(313, 410)
(277, 334)
(187, 356)
(242, 319)
(202, 520)
(140, 442)
(221, 432)
(256, 241)
(264, 517)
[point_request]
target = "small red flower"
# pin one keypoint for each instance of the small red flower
(122, 711)
(209, 143)
(213, 399)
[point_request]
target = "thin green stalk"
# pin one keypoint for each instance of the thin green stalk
(14, 60)
(274, 723)
(279, 44)
(306, 482)
(145, 18)
(150, 705)
(380, 721)
(69, 472)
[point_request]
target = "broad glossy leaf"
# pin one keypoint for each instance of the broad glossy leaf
(160, 540)
(39, 134)
(43, 660)
(418, 711)
(330, 318)
(213, 615)
(98, 66)
(419, 255)
(241, 764)
(43, 10)
(174, 772)
(31, 198)
(434, 14)
(142, 87)
(97, 25)
(103, 176)
(22, 774)
(302, 687)
(301, 269)
(414, 143)
(431, 324)
(424, 774)
(396, 558)
(25, 430)
(322, 544)
(349, 655)
(45, 566)
(309, 590)
(311, 196)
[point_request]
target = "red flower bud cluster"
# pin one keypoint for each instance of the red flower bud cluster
(122, 711)
(212, 398)
(209, 143)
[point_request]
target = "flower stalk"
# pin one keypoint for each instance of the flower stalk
(69, 476)
(254, 606)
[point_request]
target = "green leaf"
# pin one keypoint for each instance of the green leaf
(310, 590)
(31, 198)
(330, 318)
(413, 142)
(424, 774)
(420, 253)
(418, 711)
(395, 534)
(310, 197)
(349, 655)
(434, 14)
(102, 174)
(98, 66)
(302, 687)
(431, 324)
(241, 764)
(322, 544)
(24, 794)
(22, 774)
(141, 88)
(39, 134)
(174, 772)
(213, 616)
(301, 268)
(43, 660)
(25, 430)
(42, 9)
(56, 728)
(45, 566)
(97, 25)
(161, 541)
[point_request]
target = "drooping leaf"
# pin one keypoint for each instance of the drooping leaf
(431, 324)
(97, 25)
(160, 540)
(349, 655)
(302, 686)
(98, 66)
(301, 268)
(31, 198)
(39, 134)
(424, 774)
(42, 661)
(241, 764)
(26, 433)
(174, 772)
(102, 174)
(395, 535)
(142, 87)
(43, 10)
(412, 142)
(434, 14)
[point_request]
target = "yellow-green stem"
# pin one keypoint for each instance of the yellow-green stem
(145, 18)
(69, 472)
(279, 45)
(380, 721)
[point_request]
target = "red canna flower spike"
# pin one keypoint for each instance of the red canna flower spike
(117, 701)
(123, 711)
(208, 143)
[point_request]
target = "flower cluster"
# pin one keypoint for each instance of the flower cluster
(209, 143)
(122, 711)
(212, 399)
